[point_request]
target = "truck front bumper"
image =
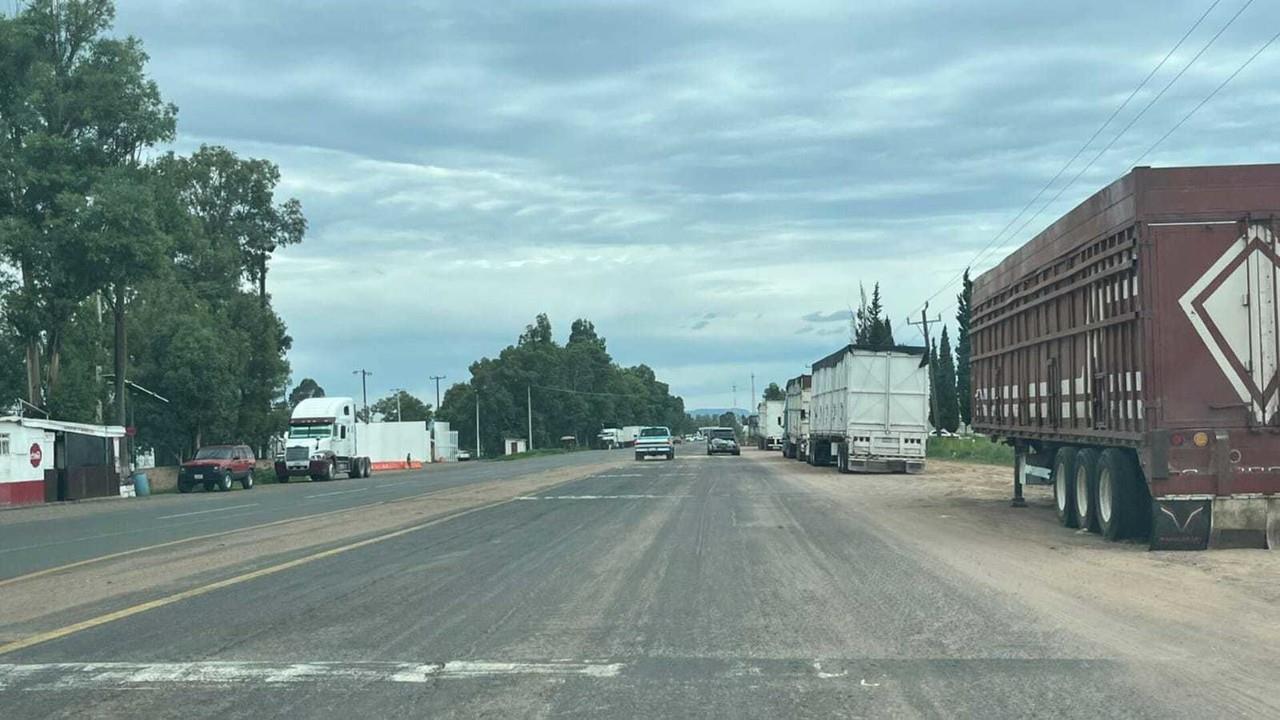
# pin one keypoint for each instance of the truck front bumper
(301, 468)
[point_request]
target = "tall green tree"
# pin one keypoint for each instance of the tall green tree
(871, 327)
(308, 388)
(945, 384)
(773, 392)
(401, 406)
(964, 350)
(75, 104)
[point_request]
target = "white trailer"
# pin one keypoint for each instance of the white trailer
(869, 410)
(769, 430)
(795, 417)
(627, 436)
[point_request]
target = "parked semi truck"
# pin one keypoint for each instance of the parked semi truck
(769, 430)
(869, 410)
(323, 442)
(795, 417)
(1129, 354)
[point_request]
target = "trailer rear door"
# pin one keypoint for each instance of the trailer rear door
(1217, 323)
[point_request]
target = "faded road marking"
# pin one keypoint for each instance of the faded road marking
(601, 497)
(338, 492)
(123, 675)
(205, 512)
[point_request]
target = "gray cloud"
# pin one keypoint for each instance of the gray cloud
(479, 163)
(818, 316)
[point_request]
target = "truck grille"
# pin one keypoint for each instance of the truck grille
(295, 453)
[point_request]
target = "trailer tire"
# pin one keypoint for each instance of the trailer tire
(842, 458)
(1086, 489)
(1064, 475)
(1117, 494)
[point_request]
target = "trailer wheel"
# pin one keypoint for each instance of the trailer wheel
(1086, 490)
(842, 458)
(1064, 496)
(1117, 496)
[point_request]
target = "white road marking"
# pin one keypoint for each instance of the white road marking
(338, 492)
(626, 475)
(204, 512)
(394, 484)
(599, 497)
(125, 675)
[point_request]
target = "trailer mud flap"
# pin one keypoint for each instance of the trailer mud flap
(1245, 522)
(1180, 524)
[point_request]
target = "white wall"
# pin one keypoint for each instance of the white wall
(391, 442)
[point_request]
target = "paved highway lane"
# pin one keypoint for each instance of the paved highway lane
(713, 587)
(39, 538)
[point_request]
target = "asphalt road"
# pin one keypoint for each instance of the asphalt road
(703, 587)
(34, 539)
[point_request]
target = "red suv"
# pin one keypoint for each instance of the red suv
(218, 467)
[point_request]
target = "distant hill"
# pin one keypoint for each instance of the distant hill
(717, 411)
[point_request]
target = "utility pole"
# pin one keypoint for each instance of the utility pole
(928, 354)
(364, 389)
(438, 378)
(477, 423)
(528, 399)
(735, 396)
(753, 389)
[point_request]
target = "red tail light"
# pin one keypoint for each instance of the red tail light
(1176, 439)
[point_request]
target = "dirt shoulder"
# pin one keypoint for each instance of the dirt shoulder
(54, 599)
(1211, 615)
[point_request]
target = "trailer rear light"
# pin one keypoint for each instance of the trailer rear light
(1176, 439)
(1200, 439)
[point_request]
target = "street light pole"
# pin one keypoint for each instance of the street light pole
(398, 392)
(528, 399)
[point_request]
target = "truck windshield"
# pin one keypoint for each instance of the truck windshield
(310, 431)
(655, 432)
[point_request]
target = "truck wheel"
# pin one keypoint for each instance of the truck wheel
(1064, 483)
(247, 482)
(639, 457)
(1086, 489)
(184, 488)
(1116, 504)
(842, 458)
(282, 478)
(225, 483)
(353, 469)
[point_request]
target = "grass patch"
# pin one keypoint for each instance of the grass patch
(538, 452)
(264, 476)
(976, 450)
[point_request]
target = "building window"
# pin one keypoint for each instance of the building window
(4, 443)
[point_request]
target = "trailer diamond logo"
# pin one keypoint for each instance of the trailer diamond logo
(1233, 308)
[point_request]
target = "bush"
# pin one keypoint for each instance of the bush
(976, 449)
(264, 476)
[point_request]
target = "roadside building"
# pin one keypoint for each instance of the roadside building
(49, 460)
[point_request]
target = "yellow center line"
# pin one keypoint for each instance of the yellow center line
(40, 638)
(220, 533)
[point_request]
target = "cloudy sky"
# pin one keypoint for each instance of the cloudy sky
(709, 182)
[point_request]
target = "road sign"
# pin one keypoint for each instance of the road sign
(131, 431)
(36, 455)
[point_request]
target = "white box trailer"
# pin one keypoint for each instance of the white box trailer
(627, 436)
(795, 417)
(769, 430)
(869, 410)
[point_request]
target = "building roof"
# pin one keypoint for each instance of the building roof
(106, 431)
(833, 358)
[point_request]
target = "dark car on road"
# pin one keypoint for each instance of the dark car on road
(722, 441)
(218, 467)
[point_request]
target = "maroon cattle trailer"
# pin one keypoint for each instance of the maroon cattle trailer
(1129, 353)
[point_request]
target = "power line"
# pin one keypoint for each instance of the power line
(1134, 119)
(1093, 137)
(584, 392)
(1208, 97)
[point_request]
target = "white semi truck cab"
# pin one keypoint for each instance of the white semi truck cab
(323, 441)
